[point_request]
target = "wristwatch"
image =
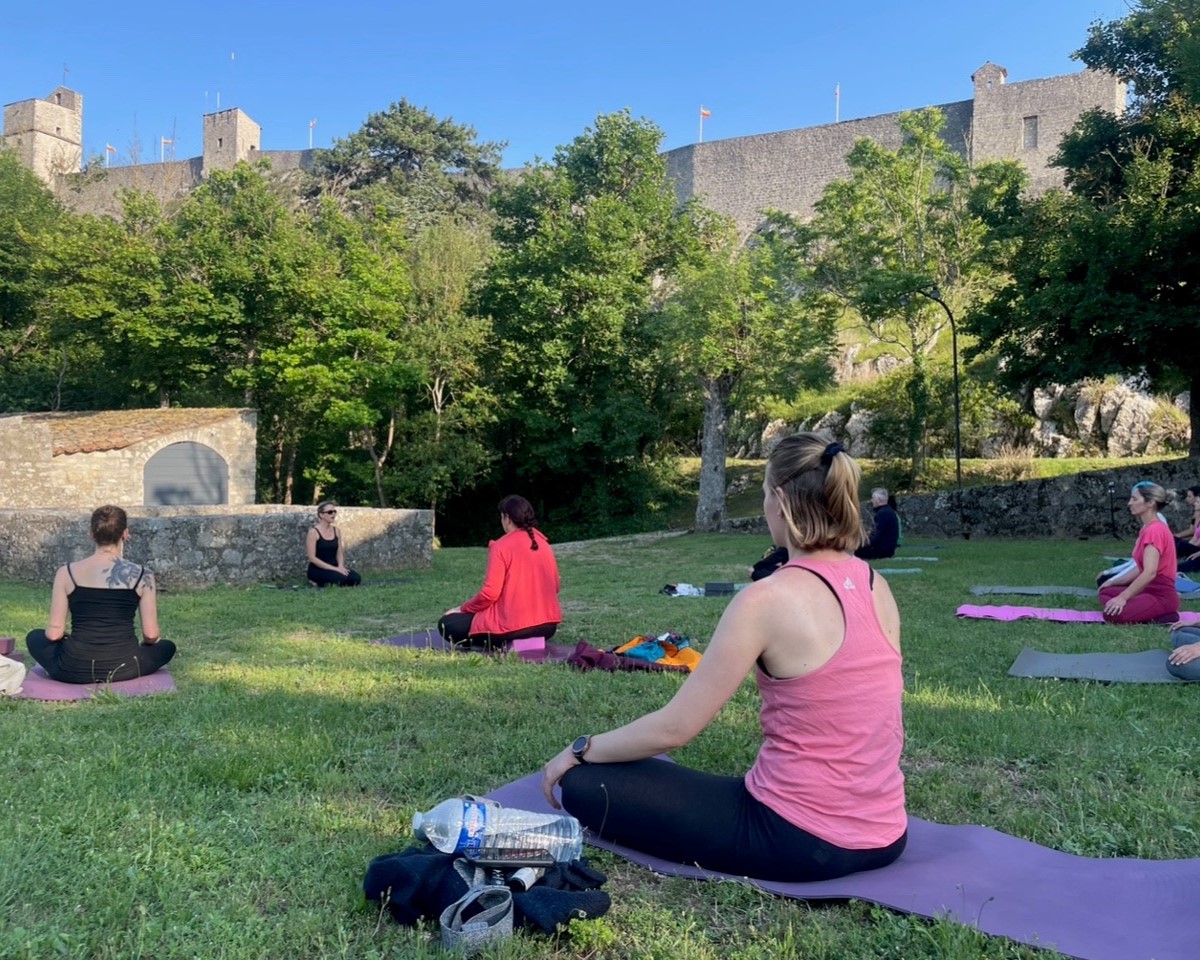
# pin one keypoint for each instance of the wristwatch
(580, 747)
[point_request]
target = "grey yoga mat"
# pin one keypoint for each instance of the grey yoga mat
(1084, 907)
(1036, 591)
(1148, 666)
(530, 650)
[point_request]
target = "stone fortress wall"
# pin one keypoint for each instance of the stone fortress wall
(99, 192)
(739, 177)
(789, 170)
(47, 136)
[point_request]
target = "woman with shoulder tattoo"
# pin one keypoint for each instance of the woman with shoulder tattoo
(102, 593)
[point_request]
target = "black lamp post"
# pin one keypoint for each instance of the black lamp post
(934, 294)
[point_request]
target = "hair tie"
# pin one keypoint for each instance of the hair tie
(831, 451)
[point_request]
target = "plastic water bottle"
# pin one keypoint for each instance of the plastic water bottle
(466, 825)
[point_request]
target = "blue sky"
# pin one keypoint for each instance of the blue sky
(533, 74)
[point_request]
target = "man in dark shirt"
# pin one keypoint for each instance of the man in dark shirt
(886, 534)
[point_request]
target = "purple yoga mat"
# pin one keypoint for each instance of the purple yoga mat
(38, 686)
(1115, 909)
(985, 612)
(430, 639)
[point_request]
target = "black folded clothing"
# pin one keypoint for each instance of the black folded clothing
(420, 882)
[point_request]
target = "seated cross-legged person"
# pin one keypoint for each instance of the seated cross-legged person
(327, 552)
(825, 797)
(102, 593)
(519, 596)
(1146, 591)
(885, 536)
(1187, 541)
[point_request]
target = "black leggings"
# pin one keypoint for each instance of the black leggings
(144, 659)
(456, 627)
(686, 816)
(322, 577)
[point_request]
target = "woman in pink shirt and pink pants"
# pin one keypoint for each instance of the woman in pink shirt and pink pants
(825, 796)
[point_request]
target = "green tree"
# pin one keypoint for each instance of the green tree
(445, 263)
(1105, 278)
(126, 327)
(361, 371)
(910, 219)
(28, 214)
(304, 316)
(743, 320)
(584, 245)
(412, 165)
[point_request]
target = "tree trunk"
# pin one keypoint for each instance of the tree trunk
(289, 475)
(918, 393)
(277, 462)
(710, 509)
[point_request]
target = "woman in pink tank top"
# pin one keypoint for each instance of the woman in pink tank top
(825, 796)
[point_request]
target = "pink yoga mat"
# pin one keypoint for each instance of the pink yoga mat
(38, 686)
(1084, 907)
(984, 612)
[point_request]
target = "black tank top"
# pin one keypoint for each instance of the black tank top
(101, 624)
(327, 549)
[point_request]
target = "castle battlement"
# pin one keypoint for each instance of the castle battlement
(740, 177)
(788, 170)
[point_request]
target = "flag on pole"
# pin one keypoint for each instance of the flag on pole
(705, 112)
(109, 148)
(166, 141)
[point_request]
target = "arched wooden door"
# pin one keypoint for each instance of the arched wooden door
(186, 474)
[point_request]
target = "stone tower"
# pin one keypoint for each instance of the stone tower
(229, 136)
(47, 135)
(1026, 121)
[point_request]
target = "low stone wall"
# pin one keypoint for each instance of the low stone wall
(198, 546)
(1076, 506)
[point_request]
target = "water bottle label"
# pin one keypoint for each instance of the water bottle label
(474, 824)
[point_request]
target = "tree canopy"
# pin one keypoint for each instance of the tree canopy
(412, 164)
(742, 324)
(583, 245)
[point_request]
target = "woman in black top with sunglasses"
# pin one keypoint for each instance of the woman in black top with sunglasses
(326, 554)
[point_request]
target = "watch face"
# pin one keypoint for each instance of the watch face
(580, 745)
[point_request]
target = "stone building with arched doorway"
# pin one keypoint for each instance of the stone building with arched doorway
(154, 458)
(186, 478)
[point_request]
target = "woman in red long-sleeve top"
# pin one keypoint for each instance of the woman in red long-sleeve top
(519, 596)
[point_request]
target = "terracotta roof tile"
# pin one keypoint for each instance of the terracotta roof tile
(97, 430)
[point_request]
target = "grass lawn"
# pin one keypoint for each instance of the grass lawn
(236, 818)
